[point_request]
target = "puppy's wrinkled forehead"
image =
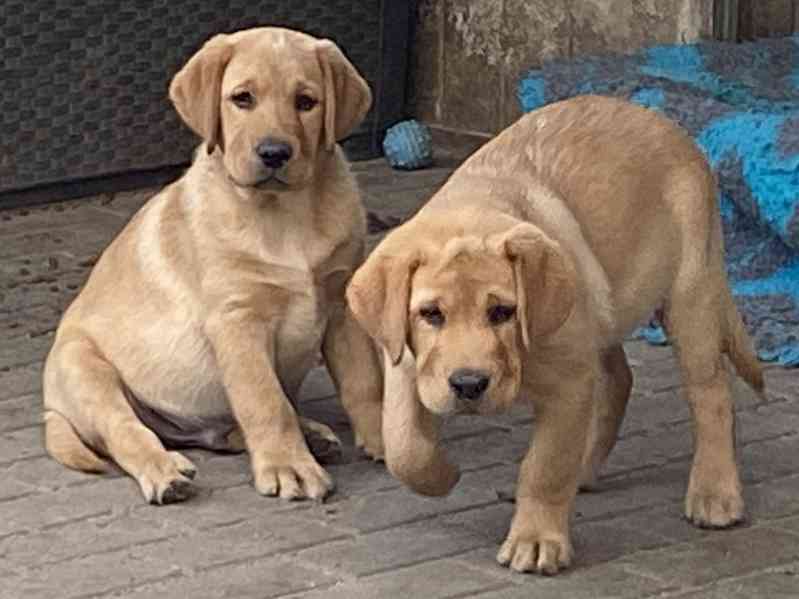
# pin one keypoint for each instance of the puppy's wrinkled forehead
(466, 269)
(271, 57)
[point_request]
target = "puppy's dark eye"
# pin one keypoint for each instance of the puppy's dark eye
(499, 314)
(243, 99)
(304, 103)
(432, 315)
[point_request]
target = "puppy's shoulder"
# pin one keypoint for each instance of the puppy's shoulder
(552, 214)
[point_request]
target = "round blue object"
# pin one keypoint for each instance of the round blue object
(408, 145)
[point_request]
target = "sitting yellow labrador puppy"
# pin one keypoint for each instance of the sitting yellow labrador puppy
(201, 319)
(522, 276)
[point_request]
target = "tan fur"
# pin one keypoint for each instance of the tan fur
(584, 216)
(64, 444)
(412, 432)
(212, 303)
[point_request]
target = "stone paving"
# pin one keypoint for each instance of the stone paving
(66, 535)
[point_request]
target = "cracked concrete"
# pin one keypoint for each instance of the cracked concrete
(67, 535)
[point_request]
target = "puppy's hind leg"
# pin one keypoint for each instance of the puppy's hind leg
(610, 403)
(714, 498)
(84, 390)
(322, 441)
(67, 448)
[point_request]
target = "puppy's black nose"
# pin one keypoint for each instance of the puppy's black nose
(273, 153)
(468, 384)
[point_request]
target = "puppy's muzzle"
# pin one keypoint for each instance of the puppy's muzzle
(273, 152)
(469, 384)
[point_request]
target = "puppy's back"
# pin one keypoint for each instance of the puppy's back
(630, 176)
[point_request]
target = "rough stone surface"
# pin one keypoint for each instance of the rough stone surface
(469, 54)
(780, 582)
(531, 32)
(66, 535)
(602, 26)
(472, 51)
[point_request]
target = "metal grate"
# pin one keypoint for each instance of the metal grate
(84, 82)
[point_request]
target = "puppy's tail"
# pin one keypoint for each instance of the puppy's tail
(739, 349)
(66, 447)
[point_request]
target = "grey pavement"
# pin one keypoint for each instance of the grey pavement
(67, 535)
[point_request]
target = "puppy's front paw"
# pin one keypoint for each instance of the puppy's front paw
(291, 475)
(529, 550)
(714, 506)
(167, 479)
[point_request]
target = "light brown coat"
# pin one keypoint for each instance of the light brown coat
(520, 279)
(200, 320)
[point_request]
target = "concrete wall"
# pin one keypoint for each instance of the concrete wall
(468, 54)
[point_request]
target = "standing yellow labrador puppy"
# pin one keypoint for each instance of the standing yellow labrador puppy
(522, 276)
(201, 319)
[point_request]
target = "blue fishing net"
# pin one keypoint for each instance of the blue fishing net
(741, 104)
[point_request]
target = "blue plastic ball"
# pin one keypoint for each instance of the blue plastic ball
(408, 145)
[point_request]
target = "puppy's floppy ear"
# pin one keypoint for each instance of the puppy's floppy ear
(378, 295)
(545, 280)
(347, 95)
(196, 90)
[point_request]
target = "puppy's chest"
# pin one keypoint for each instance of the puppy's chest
(300, 331)
(308, 284)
